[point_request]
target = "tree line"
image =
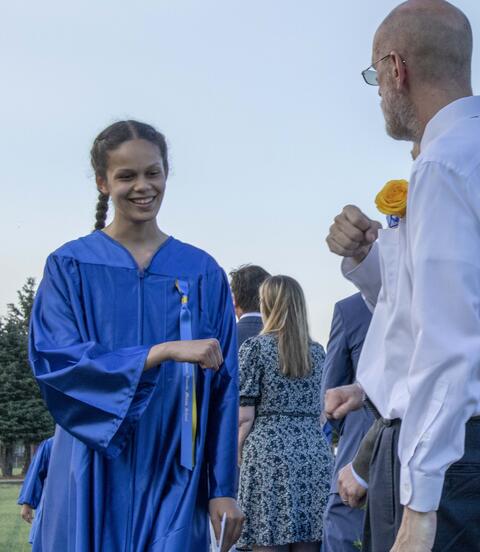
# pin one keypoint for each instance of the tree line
(24, 418)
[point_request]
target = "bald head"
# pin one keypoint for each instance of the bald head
(433, 36)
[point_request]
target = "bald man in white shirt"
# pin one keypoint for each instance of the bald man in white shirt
(420, 365)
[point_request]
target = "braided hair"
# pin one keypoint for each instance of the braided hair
(110, 139)
(101, 211)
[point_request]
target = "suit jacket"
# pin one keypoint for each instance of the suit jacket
(351, 319)
(247, 327)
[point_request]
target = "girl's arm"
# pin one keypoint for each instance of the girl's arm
(246, 419)
(204, 352)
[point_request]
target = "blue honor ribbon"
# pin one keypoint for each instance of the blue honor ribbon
(189, 396)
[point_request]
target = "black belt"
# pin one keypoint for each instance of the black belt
(368, 403)
(387, 423)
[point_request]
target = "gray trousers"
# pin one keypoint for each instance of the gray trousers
(458, 517)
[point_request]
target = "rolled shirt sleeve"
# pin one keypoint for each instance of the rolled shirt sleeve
(444, 374)
(366, 276)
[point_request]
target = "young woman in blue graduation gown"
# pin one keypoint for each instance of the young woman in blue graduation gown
(133, 345)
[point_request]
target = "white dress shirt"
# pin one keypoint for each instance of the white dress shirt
(421, 358)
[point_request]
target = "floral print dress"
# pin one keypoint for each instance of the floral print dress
(287, 462)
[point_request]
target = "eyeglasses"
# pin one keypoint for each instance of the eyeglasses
(370, 75)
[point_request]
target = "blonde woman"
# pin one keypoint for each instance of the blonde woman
(286, 463)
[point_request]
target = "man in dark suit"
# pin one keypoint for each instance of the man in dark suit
(245, 282)
(343, 526)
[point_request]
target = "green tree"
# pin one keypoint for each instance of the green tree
(23, 415)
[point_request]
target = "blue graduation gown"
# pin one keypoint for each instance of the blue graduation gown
(117, 483)
(32, 488)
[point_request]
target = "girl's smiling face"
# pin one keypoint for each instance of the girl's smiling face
(135, 180)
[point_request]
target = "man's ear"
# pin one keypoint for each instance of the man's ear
(400, 70)
(101, 185)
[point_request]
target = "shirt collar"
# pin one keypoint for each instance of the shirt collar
(463, 108)
(256, 314)
(367, 304)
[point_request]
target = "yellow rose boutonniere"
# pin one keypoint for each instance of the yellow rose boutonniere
(392, 198)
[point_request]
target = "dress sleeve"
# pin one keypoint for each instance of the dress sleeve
(32, 488)
(222, 433)
(249, 373)
(89, 390)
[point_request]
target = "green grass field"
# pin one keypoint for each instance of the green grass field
(13, 530)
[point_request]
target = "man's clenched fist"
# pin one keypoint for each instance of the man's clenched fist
(339, 401)
(352, 234)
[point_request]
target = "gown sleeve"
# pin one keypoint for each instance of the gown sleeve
(222, 433)
(90, 391)
(250, 373)
(32, 488)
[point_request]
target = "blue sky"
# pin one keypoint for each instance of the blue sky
(271, 128)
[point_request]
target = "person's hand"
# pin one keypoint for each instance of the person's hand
(417, 532)
(352, 234)
(235, 518)
(351, 492)
(207, 353)
(339, 401)
(204, 352)
(27, 513)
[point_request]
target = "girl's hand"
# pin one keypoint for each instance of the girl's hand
(204, 352)
(235, 518)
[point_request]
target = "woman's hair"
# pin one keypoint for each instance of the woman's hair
(110, 139)
(284, 311)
